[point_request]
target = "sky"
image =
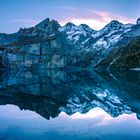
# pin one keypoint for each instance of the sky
(95, 13)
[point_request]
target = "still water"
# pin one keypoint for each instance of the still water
(56, 105)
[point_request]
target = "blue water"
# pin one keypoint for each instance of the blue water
(56, 105)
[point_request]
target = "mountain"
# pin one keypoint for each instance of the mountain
(49, 45)
(39, 46)
(76, 34)
(125, 57)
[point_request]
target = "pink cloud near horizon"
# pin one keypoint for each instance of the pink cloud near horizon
(95, 19)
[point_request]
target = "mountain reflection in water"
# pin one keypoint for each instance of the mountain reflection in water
(69, 105)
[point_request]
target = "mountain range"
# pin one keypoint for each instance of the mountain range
(49, 45)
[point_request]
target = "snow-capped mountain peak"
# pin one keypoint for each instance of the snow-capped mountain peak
(68, 27)
(70, 24)
(87, 28)
(76, 34)
(109, 29)
(114, 24)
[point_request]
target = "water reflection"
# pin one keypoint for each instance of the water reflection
(96, 124)
(49, 93)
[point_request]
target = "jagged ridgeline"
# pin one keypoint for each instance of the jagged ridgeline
(49, 45)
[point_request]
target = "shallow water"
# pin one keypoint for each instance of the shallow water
(57, 105)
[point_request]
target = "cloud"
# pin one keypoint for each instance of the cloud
(24, 21)
(95, 19)
(95, 24)
(21, 22)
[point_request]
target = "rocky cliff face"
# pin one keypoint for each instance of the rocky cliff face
(48, 45)
(41, 46)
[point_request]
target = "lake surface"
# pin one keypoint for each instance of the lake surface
(80, 105)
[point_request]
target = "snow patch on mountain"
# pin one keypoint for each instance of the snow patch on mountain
(76, 34)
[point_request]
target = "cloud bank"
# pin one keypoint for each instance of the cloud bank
(95, 19)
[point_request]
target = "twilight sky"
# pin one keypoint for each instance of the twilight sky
(96, 13)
